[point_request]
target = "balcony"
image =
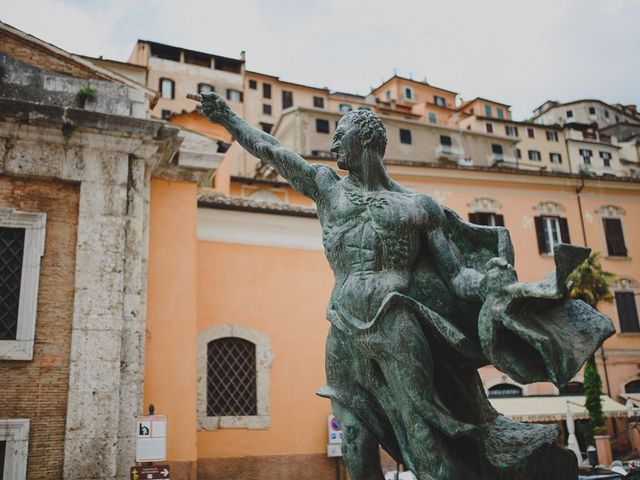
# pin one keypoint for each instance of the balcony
(502, 160)
(446, 152)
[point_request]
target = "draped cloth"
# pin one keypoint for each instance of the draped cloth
(410, 373)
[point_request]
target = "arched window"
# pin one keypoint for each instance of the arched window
(231, 378)
(572, 388)
(632, 387)
(503, 390)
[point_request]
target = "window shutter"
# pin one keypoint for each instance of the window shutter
(627, 312)
(473, 218)
(539, 222)
(499, 220)
(564, 230)
(615, 237)
(241, 97)
(228, 94)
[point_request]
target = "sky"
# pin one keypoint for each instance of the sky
(514, 51)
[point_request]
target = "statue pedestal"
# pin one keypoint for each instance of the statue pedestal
(603, 447)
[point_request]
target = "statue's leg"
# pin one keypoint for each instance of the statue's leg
(359, 446)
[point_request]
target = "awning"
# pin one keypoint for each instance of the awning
(552, 408)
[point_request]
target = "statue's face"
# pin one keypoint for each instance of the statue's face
(346, 145)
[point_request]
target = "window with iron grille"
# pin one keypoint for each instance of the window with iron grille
(22, 236)
(231, 378)
(11, 254)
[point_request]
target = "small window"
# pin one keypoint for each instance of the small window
(167, 88)
(555, 158)
(569, 114)
(489, 127)
(572, 388)
(433, 118)
(165, 113)
(253, 85)
(266, 109)
(205, 88)
(592, 110)
(318, 102)
(266, 90)
(322, 125)
(552, 136)
(606, 158)
(231, 378)
(234, 95)
(606, 114)
(500, 112)
(496, 150)
(488, 111)
(266, 127)
(632, 387)
(534, 155)
(439, 101)
(627, 311)
(345, 107)
(505, 390)
(586, 155)
(531, 133)
(487, 218)
(518, 153)
(511, 131)
(408, 93)
(445, 140)
(387, 95)
(287, 99)
(616, 246)
(364, 108)
(617, 119)
(405, 136)
(551, 231)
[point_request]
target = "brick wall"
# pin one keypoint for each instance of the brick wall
(37, 389)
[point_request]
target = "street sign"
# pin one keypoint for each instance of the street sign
(335, 432)
(156, 472)
(151, 438)
(334, 450)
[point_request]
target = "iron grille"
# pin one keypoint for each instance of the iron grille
(231, 378)
(11, 250)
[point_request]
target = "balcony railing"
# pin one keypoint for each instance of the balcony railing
(502, 160)
(449, 152)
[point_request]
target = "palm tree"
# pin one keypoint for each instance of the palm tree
(591, 284)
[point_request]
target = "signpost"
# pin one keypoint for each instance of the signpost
(155, 472)
(151, 438)
(334, 447)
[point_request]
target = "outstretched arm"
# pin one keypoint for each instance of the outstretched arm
(260, 144)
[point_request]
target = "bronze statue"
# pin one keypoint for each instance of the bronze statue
(421, 300)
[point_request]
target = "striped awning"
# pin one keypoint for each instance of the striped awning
(552, 408)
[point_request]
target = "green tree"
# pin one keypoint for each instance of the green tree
(591, 284)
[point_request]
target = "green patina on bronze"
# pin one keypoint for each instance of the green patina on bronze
(422, 300)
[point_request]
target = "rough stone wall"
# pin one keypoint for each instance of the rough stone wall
(24, 81)
(37, 389)
(112, 165)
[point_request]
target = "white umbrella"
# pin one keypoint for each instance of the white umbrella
(572, 442)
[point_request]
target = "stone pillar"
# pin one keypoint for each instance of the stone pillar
(603, 447)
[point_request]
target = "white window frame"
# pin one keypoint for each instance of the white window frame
(556, 155)
(264, 358)
(548, 224)
(34, 224)
(16, 433)
(170, 89)
(586, 155)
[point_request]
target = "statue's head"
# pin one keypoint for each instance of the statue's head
(357, 133)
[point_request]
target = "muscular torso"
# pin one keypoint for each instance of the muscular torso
(371, 240)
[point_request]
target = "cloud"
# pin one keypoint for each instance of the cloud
(520, 53)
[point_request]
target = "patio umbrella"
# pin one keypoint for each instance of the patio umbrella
(572, 441)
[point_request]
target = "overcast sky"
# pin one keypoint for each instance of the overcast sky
(515, 51)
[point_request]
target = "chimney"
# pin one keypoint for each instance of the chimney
(633, 108)
(242, 55)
